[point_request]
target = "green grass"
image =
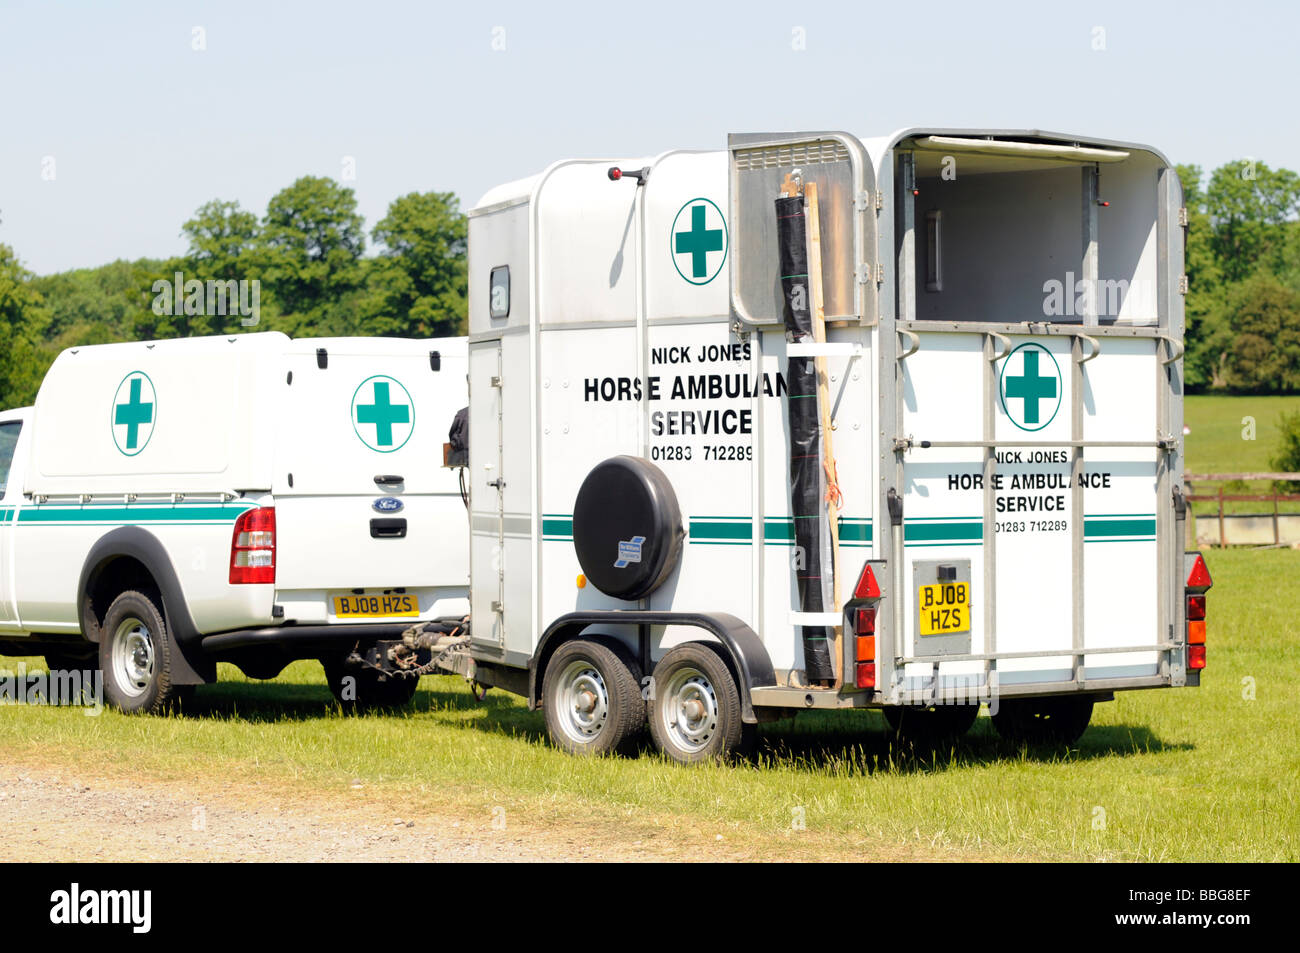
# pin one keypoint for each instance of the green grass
(1217, 444)
(1184, 774)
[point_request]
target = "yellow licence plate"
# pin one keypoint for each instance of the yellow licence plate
(944, 608)
(376, 607)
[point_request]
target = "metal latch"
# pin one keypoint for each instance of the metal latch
(497, 484)
(495, 381)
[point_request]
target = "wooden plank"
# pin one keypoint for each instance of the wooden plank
(818, 310)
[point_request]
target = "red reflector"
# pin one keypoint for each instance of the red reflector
(252, 547)
(866, 648)
(864, 621)
(1199, 577)
(866, 673)
(1195, 656)
(1196, 633)
(867, 587)
(1195, 607)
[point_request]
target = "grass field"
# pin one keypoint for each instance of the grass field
(1189, 774)
(1216, 443)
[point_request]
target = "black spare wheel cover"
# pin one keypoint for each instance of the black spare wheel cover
(627, 527)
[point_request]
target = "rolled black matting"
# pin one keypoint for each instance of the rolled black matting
(805, 436)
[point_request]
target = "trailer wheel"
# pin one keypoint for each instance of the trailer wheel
(591, 699)
(369, 690)
(1055, 720)
(695, 706)
(135, 655)
(930, 725)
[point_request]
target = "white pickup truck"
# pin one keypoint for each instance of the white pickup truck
(252, 499)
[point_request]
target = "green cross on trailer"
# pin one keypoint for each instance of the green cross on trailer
(1030, 386)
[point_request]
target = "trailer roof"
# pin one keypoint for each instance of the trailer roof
(878, 147)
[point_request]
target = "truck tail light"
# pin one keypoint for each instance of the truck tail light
(252, 548)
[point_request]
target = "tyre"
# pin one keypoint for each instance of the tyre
(359, 688)
(1058, 720)
(135, 655)
(591, 699)
(694, 710)
(930, 725)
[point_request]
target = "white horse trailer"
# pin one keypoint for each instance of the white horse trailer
(815, 422)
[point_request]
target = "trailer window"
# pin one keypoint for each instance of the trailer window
(499, 292)
(8, 441)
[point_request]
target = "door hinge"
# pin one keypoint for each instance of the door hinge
(495, 382)
(1182, 216)
(1182, 284)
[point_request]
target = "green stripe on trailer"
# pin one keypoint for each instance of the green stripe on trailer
(557, 526)
(934, 531)
(1133, 527)
(721, 529)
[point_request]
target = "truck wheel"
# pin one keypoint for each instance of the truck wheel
(695, 708)
(1057, 720)
(369, 690)
(591, 699)
(135, 653)
(930, 725)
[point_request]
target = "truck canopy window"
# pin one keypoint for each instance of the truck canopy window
(8, 441)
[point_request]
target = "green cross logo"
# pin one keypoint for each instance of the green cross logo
(134, 413)
(381, 418)
(1035, 391)
(696, 239)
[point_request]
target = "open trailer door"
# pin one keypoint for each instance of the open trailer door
(1034, 429)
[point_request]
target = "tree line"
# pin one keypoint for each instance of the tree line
(308, 253)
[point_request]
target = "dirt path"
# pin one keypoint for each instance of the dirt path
(57, 815)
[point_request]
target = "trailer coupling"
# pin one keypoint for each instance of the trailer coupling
(425, 649)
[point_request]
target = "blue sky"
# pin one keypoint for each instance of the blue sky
(142, 127)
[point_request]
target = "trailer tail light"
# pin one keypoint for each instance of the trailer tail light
(866, 675)
(1198, 580)
(864, 621)
(252, 548)
(867, 587)
(1198, 575)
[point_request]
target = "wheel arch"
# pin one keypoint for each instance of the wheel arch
(130, 556)
(740, 647)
